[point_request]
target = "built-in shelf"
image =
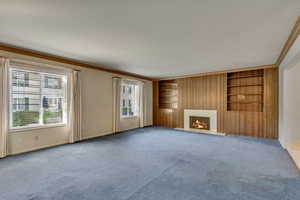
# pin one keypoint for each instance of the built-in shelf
(167, 89)
(168, 102)
(167, 106)
(245, 91)
(240, 102)
(243, 94)
(168, 94)
(248, 76)
(248, 85)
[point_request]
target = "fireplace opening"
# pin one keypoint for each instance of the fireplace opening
(200, 122)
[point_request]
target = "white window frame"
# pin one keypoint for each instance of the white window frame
(40, 125)
(134, 99)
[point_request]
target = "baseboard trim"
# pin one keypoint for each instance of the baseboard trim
(38, 148)
(98, 135)
(282, 144)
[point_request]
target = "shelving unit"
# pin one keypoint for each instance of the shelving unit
(246, 85)
(242, 94)
(246, 76)
(249, 102)
(245, 91)
(168, 94)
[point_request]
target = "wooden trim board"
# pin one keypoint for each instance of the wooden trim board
(28, 52)
(290, 41)
(219, 72)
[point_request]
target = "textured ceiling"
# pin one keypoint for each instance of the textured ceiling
(156, 38)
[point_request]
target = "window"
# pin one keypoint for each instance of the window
(52, 82)
(36, 98)
(129, 100)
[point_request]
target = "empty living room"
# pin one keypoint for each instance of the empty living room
(149, 100)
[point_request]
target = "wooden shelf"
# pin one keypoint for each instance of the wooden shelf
(168, 83)
(244, 91)
(240, 102)
(248, 76)
(168, 102)
(168, 94)
(247, 85)
(168, 89)
(167, 106)
(244, 94)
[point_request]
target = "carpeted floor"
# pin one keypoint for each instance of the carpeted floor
(156, 164)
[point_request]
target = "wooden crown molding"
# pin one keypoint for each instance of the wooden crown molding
(290, 41)
(219, 72)
(28, 52)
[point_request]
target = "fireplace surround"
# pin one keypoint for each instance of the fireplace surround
(205, 116)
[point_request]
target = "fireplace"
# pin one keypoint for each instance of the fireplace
(207, 118)
(199, 122)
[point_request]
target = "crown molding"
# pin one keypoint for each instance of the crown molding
(218, 72)
(290, 41)
(42, 55)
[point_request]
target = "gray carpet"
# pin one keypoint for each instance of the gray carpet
(156, 164)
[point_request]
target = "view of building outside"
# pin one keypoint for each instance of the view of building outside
(36, 98)
(129, 100)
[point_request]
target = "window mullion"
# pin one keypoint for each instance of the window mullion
(11, 98)
(41, 100)
(127, 100)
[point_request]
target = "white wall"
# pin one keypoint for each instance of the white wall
(148, 104)
(97, 103)
(127, 123)
(24, 141)
(97, 111)
(289, 96)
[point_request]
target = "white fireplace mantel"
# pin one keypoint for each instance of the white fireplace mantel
(212, 114)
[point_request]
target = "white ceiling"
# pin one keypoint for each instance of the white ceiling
(155, 38)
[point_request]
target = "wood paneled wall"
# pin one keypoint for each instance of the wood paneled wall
(210, 93)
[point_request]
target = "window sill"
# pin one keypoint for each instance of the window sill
(16, 130)
(129, 117)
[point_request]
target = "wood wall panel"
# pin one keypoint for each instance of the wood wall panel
(251, 124)
(271, 103)
(210, 93)
(166, 118)
(231, 122)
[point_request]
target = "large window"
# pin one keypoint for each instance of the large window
(36, 98)
(129, 100)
